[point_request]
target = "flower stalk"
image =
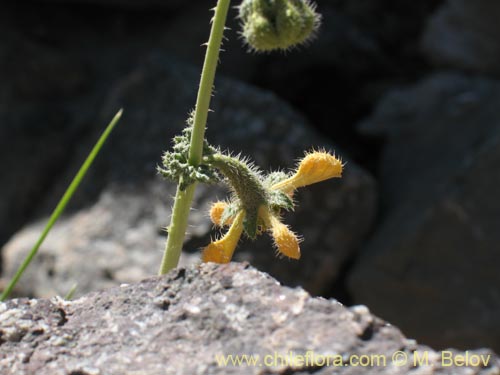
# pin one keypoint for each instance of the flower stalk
(184, 197)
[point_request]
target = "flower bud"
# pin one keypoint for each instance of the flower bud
(216, 212)
(277, 24)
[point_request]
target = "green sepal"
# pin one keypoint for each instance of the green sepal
(279, 200)
(230, 212)
(245, 181)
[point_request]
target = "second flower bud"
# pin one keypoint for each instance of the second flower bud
(278, 24)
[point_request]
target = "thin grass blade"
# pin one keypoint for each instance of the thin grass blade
(62, 204)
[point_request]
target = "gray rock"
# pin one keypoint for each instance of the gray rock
(464, 34)
(430, 128)
(431, 265)
(184, 322)
(126, 205)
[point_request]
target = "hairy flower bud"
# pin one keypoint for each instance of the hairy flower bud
(216, 212)
(277, 24)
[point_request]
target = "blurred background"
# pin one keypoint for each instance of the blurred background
(406, 92)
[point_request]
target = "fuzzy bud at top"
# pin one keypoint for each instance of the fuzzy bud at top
(278, 24)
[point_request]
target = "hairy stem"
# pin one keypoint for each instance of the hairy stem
(183, 199)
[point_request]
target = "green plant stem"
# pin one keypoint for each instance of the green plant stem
(183, 199)
(61, 205)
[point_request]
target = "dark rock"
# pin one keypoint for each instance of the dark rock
(60, 58)
(50, 88)
(181, 324)
(99, 245)
(37, 129)
(125, 4)
(431, 265)
(362, 49)
(464, 34)
(431, 129)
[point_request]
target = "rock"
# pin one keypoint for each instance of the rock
(430, 127)
(463, 34)
(52, 85)
(126, 207)
(430, 266)
(37, 130)
(362, 49)
(187, 321)
(50, 89)
(124, 4)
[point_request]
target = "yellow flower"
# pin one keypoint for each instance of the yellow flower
(286, 242)
(221, 251)
(315, 167)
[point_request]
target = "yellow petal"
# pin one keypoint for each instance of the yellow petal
(314, 167)
(221, 251)
(215, 252)
(285, 240)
